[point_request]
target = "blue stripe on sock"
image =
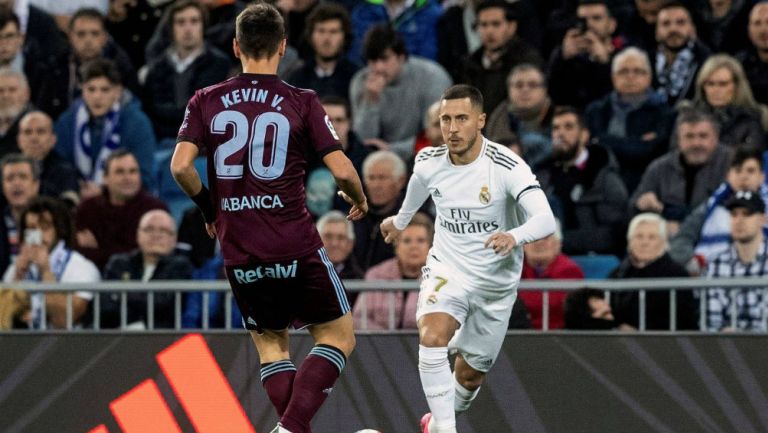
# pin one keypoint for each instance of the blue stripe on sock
(338, 286)
(334, 357)
(276, 367)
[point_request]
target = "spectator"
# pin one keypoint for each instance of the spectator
(457, 36)
(725, 25)
(384, 180)
(633, 121)
(390, 95)
(102, 121)
(372, 309)
(587, 309)
(641, 26)
(62, 11)
(582, 183)
(107, 223)
(296, 15)
(40, 32)
(193, 240)
(544, 260)
(647, 257)
(131, 24)
(14, 54)
(526, 115)
(754, 57)
(722, 91)
(328, 71)
(58, 178)
(47, 255)
(14, 103)
(415, 22)
(679, 55)
(706, 232)
(21, 183)
(89, 41)
(747, 256)
(154, 260)
(338, 235)
(488, 66)
(677, 182)
(580, 69)
(189, 64)
(431, 135)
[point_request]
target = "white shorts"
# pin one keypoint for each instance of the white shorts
(483, 316)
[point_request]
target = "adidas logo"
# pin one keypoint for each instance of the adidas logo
(328, 390)
(437, 193)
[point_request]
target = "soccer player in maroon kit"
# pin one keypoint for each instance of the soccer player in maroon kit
(256, 132)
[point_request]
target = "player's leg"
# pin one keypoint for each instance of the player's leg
(277, 370)
(435, 331)
(467, 383)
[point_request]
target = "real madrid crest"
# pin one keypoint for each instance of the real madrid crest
(485, 195)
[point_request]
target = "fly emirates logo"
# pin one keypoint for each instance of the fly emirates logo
(276, 271)
(463, 224)
(236, 204)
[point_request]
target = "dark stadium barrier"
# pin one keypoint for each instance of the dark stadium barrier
(543, 382)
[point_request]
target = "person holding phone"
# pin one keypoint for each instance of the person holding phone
(46, 255)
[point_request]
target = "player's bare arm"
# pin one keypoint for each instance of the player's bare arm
(186, 175)
(349, 183)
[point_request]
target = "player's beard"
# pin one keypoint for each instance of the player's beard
(471, 141)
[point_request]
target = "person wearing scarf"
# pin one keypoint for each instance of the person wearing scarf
(47, 256)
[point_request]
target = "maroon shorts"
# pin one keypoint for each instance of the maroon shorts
(299, 292)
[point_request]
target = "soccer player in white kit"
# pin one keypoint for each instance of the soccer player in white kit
(488, 204)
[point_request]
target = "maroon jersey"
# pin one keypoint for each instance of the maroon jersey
(257, 132)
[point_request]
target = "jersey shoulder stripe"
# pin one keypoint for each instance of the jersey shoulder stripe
(432, 152)
(498, 158)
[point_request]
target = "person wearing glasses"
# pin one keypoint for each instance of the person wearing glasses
(633, 120)
(153, 260)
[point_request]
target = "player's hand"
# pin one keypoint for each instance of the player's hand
(389, 231)
(358, 210)
(211, 229)
(502, 243)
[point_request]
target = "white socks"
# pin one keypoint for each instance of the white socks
(464, 396)
(437, 381)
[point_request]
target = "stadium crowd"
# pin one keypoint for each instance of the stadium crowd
(644, 121)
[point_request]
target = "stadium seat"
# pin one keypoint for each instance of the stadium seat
(167, 189)
(596, 266)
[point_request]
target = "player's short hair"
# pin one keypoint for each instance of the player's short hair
(688, 114)
(423, 220)
(525, 67)
(8, 16)
(336, 100)
(743, 154)
(567, 109)
(118, 153)
(19, 158)
(88, 13)
(461, 91)
(398, 166)
(335, 217)
(62, 219)
(648, 218)
(380, 38)
(630, 52)
(576, 309)
(259, 30)
(101, 68)
(329, 12)
(180, 5)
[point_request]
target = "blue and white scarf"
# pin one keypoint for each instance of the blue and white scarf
(89, 168)
(58, 260)
(675, 79)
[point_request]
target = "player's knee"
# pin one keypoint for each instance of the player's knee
(433, 337)
(469, 378)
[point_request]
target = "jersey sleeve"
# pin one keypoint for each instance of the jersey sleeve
(415, 196)
(192, 129)
(323, 137)
(520, 180)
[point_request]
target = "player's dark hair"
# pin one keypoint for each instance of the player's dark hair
(180, 5)
(743, 154)
(329, 12)
(378, 39)
(62, 219)
(576, 309)
(567, 109)
(461, 91)
(88, 13)
(118, 153)
(336, 100)
(8, 16)
(510, 10)
(259, 30)
(19, 158)
(99, 68)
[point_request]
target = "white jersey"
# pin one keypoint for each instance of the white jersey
(472, 202)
